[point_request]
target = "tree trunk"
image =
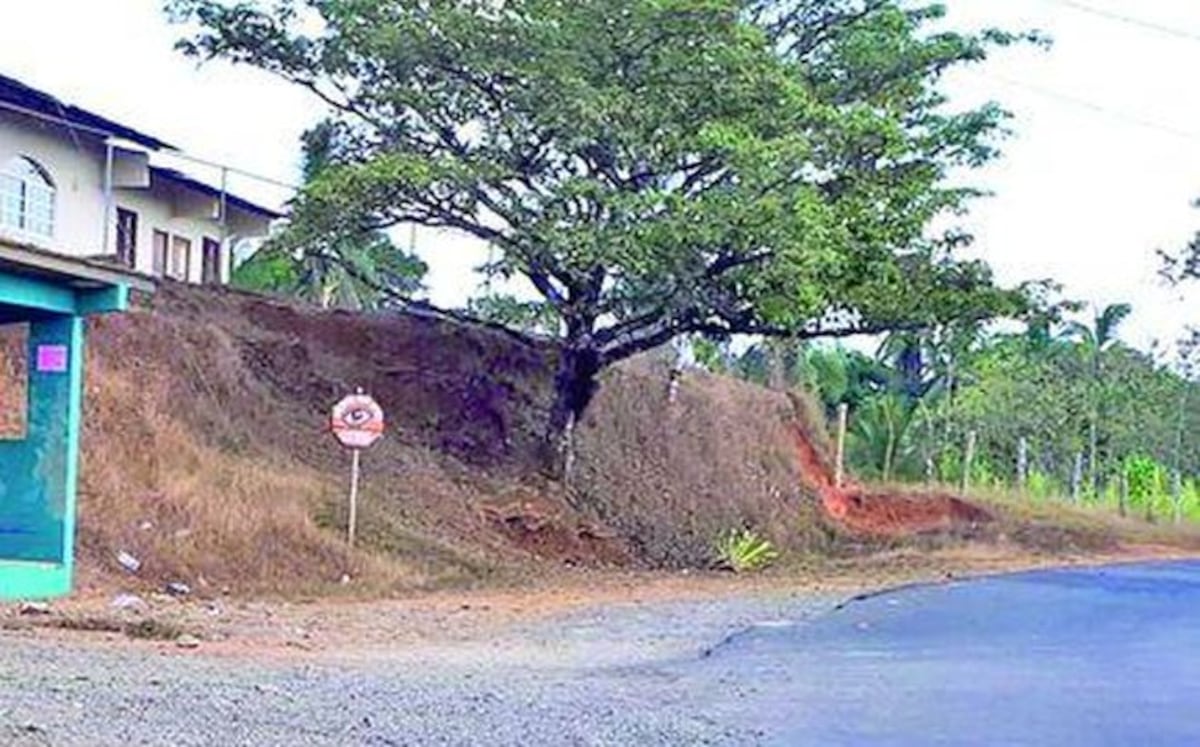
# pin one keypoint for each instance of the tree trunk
(1022, 463)
(777, 366)
(1093, 455)
(575, 384)
(888, 451)
(1076, 476)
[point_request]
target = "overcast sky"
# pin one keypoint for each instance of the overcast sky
(1100, 173)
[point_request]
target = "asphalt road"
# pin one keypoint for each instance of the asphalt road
(1072, 657)
(1077, 657)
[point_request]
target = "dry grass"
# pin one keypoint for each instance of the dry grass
(672, 478)
(146, 628)
(215, 519)
(1056, 526)
(204, 459)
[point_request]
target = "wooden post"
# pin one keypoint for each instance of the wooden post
(839, 472)
(968, 457)
(1022, 463)
(1123, 494)
(351, 525)
(1077, 477)
(1177, 496)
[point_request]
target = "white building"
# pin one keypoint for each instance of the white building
(79, 184)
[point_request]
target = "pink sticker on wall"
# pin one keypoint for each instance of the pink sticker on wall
(52, 358)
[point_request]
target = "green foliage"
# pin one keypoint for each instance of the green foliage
(1143, 478)
(879, 442)
(743, 551)
(1040, 485)
(913, 404)
(1189, 501)
(1147, 487)
(269, 270)
(651, 168)
(711, 355)
(529, 317)
(355, 272)
(352, 267)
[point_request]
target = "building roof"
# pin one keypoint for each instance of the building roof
(81, 274)
(19, 97)
(178, 177)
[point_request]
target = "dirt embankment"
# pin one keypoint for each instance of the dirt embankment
(206, 457)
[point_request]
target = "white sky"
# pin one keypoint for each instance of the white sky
(1082, 195)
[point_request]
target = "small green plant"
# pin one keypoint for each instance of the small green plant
(1145, 482)
(743, 551)
(1040, 485)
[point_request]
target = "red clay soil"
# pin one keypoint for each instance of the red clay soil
(883, 513)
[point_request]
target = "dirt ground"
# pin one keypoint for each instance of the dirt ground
(347, 628)
(205, 458)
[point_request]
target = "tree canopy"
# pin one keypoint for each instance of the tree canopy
(651, 167)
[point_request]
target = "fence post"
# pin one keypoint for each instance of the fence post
(673, 383)
(1077, 477)
(968, 457)
(1022, 463)
(1177, 496)
(839, 469)
(1123, 494)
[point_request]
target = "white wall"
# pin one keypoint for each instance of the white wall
(76, 166)
(155, 211)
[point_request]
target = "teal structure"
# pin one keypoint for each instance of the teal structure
(39, 473)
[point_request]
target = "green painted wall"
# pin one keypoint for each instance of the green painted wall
(39, 474)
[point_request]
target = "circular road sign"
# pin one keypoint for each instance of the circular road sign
(357, 421)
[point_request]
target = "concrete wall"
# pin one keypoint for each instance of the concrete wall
(156, 210)
(76, 164)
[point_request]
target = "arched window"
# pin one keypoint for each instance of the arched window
(26, 197)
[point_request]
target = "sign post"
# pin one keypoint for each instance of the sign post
(357, 423)
(352, 523)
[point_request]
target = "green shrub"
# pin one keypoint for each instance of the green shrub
(1146, 483)
(743, 550)
(1040, 485)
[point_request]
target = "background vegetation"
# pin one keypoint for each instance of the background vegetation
(1101, 421)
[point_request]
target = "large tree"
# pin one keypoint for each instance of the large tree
(651, 167)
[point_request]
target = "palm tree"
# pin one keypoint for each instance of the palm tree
(355, 270)
(1094, 341)
(880, 433)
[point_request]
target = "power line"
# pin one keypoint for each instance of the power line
(1094, 107)
(1129, 20)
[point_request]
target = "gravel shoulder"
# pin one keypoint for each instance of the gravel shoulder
(586, 677)
(589, 662)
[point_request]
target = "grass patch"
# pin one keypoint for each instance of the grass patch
(1055, 526)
